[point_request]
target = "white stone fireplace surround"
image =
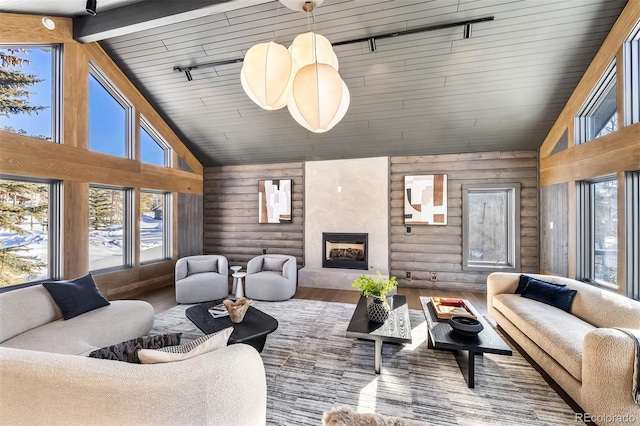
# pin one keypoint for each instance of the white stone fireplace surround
(346, 196)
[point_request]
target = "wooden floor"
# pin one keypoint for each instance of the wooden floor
(164, 298)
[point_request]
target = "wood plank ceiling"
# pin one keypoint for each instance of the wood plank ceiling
(425, 93)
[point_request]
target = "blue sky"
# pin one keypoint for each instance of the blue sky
(107, 118)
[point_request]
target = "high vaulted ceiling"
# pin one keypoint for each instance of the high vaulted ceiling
(426, 93)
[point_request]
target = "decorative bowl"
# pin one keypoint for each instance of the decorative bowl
(465, 326)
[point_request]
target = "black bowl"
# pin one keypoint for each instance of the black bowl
(466, 326)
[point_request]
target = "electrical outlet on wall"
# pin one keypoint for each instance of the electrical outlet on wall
(408, 275)
(434, 276)
(264, 251)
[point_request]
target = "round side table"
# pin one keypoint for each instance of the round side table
(235, 269)
(239, 292)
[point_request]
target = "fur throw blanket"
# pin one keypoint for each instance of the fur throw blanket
(346, 416)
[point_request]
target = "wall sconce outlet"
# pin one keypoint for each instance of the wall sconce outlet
(408, 275)
(264, 251)
(434, 276)
(408, 230)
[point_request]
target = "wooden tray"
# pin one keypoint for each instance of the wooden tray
(446, 308)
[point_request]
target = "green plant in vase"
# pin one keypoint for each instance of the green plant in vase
(376, 290)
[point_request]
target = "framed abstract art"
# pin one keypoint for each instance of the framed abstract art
(425, 200)
(274, 201)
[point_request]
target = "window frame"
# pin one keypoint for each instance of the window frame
(127, 232)
(167, 227)
(55, 254)
(112, 89)
(155, 136)
(583, 121)
(632, 233)
(585, 227)
(56, 83)
(513, 263)
(631, 64)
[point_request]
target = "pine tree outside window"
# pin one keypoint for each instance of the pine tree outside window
(29, 90)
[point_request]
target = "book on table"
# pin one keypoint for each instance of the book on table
(218, 311)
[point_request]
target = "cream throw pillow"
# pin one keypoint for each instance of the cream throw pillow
(208, 343)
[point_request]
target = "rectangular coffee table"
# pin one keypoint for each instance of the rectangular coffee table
(396, 329)
(252, 330)
(442, 336)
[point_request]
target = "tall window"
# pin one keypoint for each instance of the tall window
(29, 90)
(631, 56)
(598, 231)
(491, 227)
(153, 149)
(155, 226)
(109, 117)
(598, 116)
(109, 241)
(632, 223)
(28, 231)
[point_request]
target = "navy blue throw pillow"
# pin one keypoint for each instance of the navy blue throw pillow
(77, 296)
(550, 294)
(524, 280)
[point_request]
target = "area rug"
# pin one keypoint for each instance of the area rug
(312, 367)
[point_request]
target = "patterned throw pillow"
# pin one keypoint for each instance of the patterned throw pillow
(128, 351)
(208, 343)
(274, 264)
(200, 266)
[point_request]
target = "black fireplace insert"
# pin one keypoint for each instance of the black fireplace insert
(347, 251)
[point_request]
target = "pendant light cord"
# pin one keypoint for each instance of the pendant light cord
(277, 22)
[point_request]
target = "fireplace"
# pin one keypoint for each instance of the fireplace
(347, 251)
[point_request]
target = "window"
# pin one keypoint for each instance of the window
(155, 226)
(491, 227)
(109, 239)
(153, 149)
(632, 223)
(109, 117)
(631, 59)
(29, 231)
(598, 231)
(29, 91)
(598, 117)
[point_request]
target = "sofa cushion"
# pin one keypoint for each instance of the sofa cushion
(75, 297)
(121, 320)
(273, 264)
(208, 343)
(526, 279)
(200, 266)
(127, 351)
(550, 294)
(24, 309)
(555, 331)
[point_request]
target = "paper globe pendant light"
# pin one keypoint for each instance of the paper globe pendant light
(319, 98)
(266, 75)
(302, 50)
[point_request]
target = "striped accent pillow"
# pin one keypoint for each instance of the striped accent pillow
(204, 344)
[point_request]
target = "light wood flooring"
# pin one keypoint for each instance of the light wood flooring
(164, 298)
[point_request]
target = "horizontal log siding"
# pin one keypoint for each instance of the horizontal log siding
(231, 225)
(439, 248)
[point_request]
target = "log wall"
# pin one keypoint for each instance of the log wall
(231, 225)
(438, 249)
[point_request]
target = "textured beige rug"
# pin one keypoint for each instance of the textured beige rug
(346, 416)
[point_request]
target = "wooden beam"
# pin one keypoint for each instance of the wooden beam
(18, 28)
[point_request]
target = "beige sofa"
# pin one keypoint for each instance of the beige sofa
(581, 349)
(46, 377)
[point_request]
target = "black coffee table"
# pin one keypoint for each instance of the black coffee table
(396, 329)
(441, 336)
(252, 330)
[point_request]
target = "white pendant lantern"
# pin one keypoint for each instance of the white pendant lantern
(310, 47)
(319, 98)
(266, 75)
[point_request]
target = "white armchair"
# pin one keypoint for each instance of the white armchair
(201, 278)
(271, 277)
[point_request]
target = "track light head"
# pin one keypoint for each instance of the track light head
(91, 7)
